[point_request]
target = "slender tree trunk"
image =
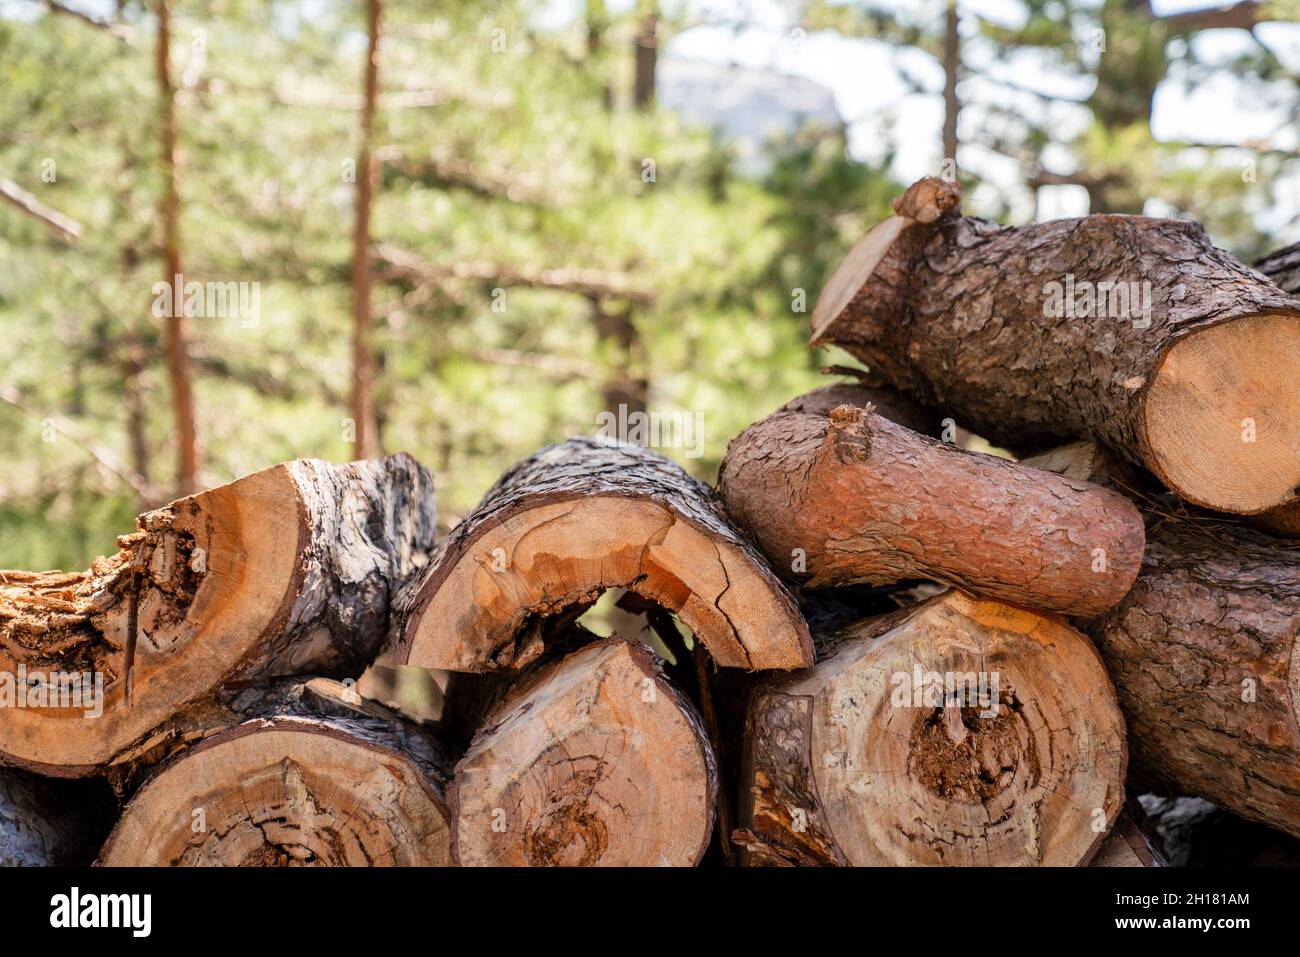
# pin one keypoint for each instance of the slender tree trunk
(951, 65)
(647, 55)
(626, 383)
(132, 368)
(364, 421)
(176, 343)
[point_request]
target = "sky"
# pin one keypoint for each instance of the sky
(879, 107)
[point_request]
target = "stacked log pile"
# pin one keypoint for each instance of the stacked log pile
(868, 646)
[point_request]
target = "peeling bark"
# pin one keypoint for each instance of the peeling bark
(301, 774)
(856, 763)
(851, 497)
(290, 570)
(1205, 659)
(959, 313)
(572, 520)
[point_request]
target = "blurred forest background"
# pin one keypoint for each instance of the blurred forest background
(468, 228)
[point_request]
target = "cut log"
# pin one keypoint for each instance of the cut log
(957, 732)
(319, 778)
(1283, 522)
(46, 823)
(1085, 462)
(1125, 846)
(285, 571)
(594, 760)
(1135, 331)
(573, 520)
(1283, 268)
(851, 497)
(1206, 661)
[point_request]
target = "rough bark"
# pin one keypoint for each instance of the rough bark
(299, 774)
(572, 520)
(289, 570)
(1283, 267)
(857, 763)
(851, 497)
(594, 760)
(50, 823)
(1205, 659)
(1034, 335)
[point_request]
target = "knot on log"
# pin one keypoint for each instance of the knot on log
(850, 432)
(928, 199)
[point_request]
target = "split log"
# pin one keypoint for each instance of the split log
(288, 570)
(957, 732)
(1206, 660)
(46, 823)
(1135, 331)
(573, 520)
(319, 777)
(851, 497)
(592, 760)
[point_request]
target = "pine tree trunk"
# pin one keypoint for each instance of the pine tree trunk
(957, 732)
(304, 774)
(594, 760)
(571, 521)
(1037, 334)
(289, 570)
(1205, 658)
(851, 497)
(365, 423)
(175, 339)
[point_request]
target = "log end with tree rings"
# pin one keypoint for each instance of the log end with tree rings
(594, 760)
(288, 570)
(294, 789)
(574, 520)
(1131, 330)
(1222, 415)
(958, 732)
